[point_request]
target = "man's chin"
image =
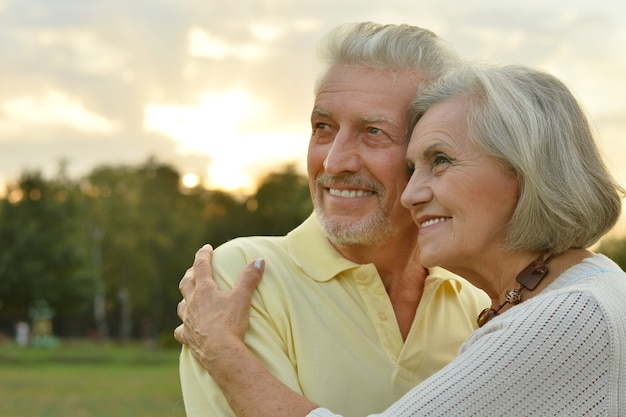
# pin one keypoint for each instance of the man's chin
(348, 231)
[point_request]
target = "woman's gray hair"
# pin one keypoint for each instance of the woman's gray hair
(399, 47)
(532, 123)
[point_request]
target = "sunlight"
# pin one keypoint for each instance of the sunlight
(190, 180)
(229, 128)
(205, 127)
(223, 176)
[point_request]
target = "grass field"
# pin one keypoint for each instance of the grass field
(89, 380)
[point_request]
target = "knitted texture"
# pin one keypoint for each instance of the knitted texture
(561, 353)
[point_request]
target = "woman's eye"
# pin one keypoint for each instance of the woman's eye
(440, 159)
(410, 169)
(440, 162)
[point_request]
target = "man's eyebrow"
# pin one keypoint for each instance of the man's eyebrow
(321, 112)
(366, 118)
(378, 119)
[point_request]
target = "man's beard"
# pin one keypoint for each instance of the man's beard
(374, 229)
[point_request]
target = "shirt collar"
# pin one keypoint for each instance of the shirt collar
(311, 251)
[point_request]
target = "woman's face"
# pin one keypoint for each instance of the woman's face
(461, 198)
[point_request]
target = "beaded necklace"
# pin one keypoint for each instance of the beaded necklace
(528, 279)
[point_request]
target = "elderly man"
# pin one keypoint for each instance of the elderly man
(345, 297)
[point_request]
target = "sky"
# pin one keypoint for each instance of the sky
(223, 89)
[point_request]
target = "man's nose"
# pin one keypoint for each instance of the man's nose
(343, 155)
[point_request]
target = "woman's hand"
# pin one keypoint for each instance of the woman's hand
(214, 320)
(214, 324)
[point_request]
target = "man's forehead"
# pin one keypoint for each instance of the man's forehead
(355, 77)
(370, 117)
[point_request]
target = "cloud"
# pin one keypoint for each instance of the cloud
(50, 109)
(229, 84)
(205, 45)
(82, 49)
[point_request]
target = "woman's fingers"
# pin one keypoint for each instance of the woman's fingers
(180, 309)
(187, 283)
(179, 334)
(247, 282)
(210, 315)
(202, 271)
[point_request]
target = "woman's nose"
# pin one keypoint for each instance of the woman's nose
(416, 191)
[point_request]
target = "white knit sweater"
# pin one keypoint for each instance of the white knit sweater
(561, 353)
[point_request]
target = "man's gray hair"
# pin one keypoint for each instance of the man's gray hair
(397, 47)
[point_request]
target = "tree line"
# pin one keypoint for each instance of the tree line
(105, 252)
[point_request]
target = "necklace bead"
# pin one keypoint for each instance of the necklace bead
(513, 296)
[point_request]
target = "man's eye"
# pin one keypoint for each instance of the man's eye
(374, 131)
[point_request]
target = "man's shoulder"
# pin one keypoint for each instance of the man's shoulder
(267, 245)
(248, 242)
(462, 287)
(246, 249)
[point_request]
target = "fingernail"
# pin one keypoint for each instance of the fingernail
(258, 264)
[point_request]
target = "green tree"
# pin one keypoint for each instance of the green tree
(43, 254)
(107, 252)
(281, 202)
(224, 217)
(614, 248)
(149, 230)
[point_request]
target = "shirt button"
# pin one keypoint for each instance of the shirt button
(382, 316)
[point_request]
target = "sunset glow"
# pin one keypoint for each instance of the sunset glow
(225, 92)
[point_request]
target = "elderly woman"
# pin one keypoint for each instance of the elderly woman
(509, 190)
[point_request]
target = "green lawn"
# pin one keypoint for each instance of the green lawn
(89, 380)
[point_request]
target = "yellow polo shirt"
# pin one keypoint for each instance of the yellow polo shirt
(325, 325)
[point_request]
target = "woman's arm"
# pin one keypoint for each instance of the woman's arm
(526, 359)
(213, 330)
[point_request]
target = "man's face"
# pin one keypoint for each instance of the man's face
(356, 159)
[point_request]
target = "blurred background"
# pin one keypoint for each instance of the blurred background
(131, 133)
